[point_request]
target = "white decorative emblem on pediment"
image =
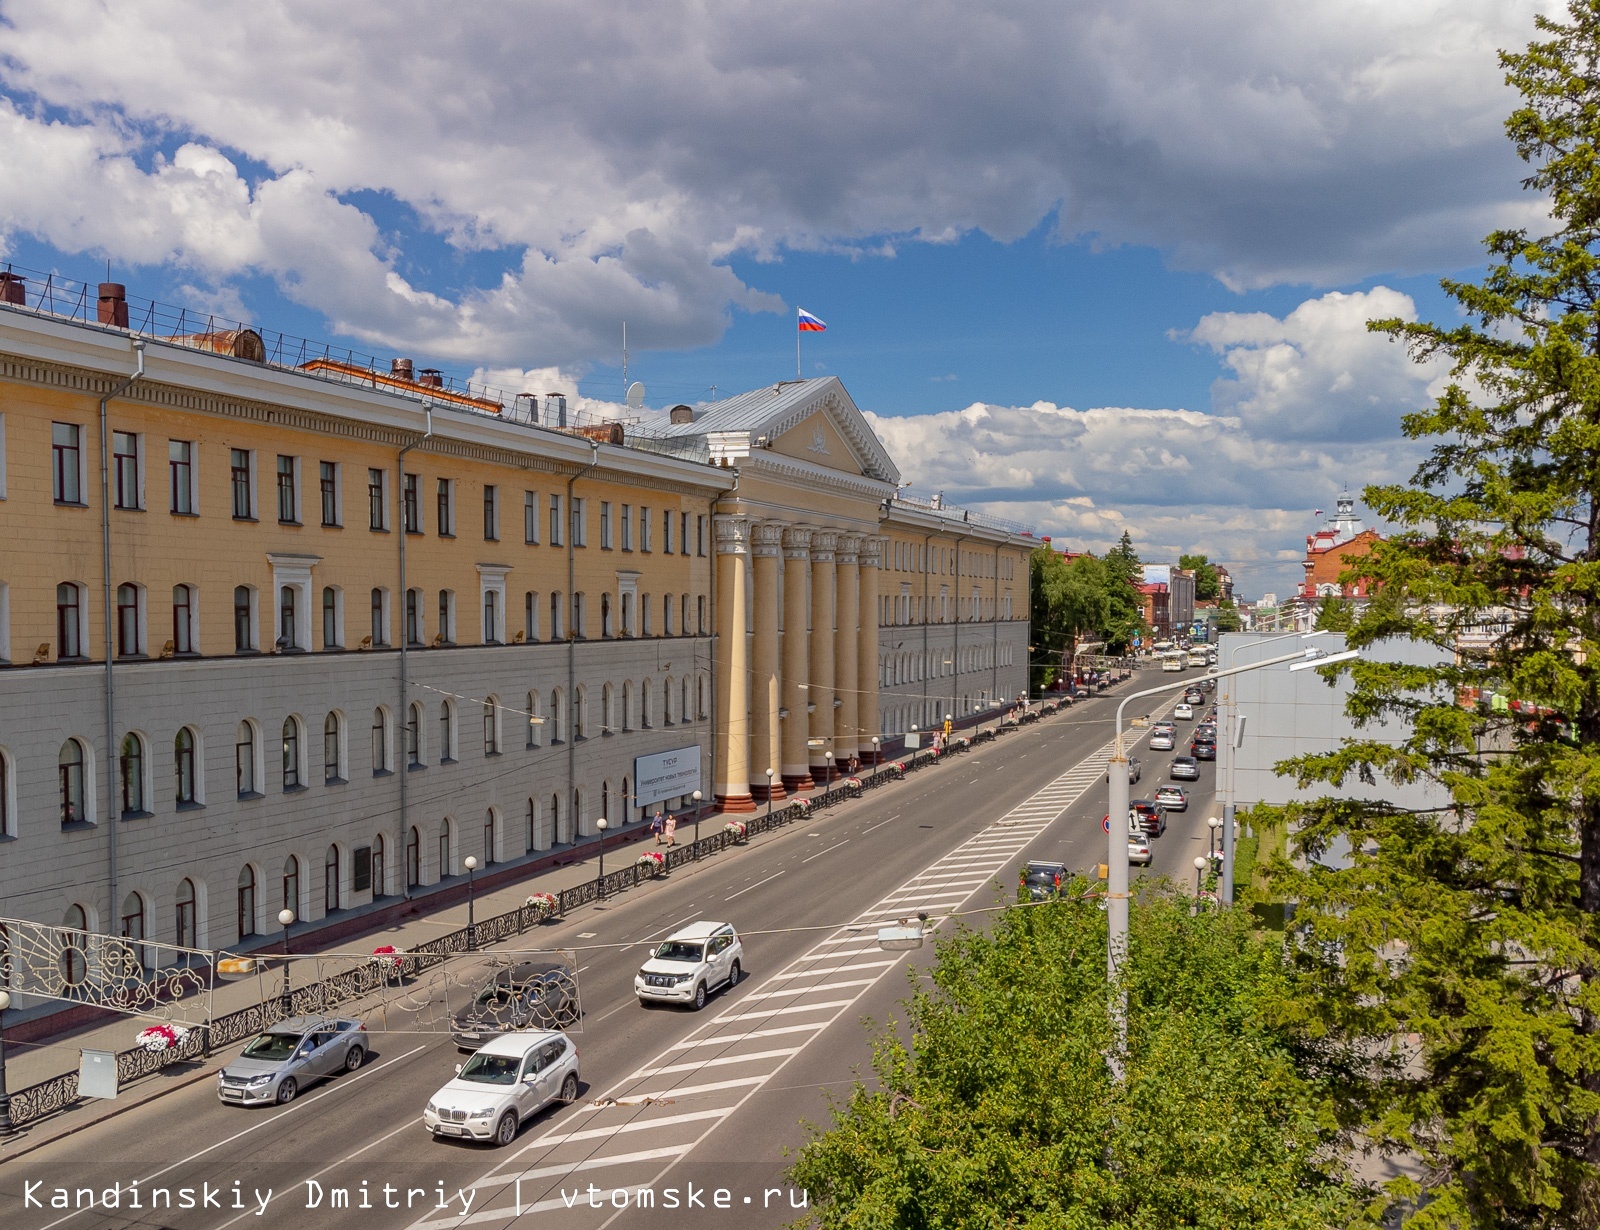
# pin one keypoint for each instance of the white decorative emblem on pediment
(819, 441)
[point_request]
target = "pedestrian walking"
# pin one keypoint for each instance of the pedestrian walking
(658, 825)
(672, 827)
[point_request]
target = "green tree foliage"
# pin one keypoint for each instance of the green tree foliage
(1124, 572)
(1228, 616)
(1070, 603)
(1467, 935)
(1207, 585)
(1334, 615)
(1001, 1112)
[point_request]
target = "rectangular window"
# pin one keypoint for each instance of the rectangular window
(182, 619)
(66, 444)
(411, 498)
(413, 617)
(180, 467)
(377, 502)
(530, 517)
(330, 618)
(447, 509)
(555, 521)
(644, 529)
(683, 534)
(243, 619)
(627, 527)
(605, 525)
(701, 612)
(699, 535)
(447, 620)
(491, 514)
(328, 472)
(125, 470)
(530, 616)
(239, 469)
(380, 618)
(288, 491)
(361, 869)
(666, 530)
(580, 528)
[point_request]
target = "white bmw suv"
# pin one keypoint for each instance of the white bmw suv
(506, 1082)
(689, 963)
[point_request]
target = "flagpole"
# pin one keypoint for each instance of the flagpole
(797, 375)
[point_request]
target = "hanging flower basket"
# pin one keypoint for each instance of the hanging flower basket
(392, 959)
(963, 743)
(803, 804)
(898, 768)
(162, 1037)
(543, 905)
(736, 830)
(853, 783)
(653, 861)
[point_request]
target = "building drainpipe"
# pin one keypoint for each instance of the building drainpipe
(112, 815)
(955, 651)
(401, 710)
(572, 644)
(926, 539)
(994, 624)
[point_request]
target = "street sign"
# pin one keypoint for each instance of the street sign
(1105, 825)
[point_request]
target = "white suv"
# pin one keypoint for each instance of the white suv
(689, 963)
(506, 1082)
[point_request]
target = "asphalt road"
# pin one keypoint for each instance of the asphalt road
(691, 1102)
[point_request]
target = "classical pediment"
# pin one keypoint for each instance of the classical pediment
(818, 440)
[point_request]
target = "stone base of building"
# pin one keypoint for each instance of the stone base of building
(734, 802)
(762, 792)
(825, 773)
(794, 783)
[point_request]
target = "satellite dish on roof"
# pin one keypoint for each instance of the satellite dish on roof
(635, 395)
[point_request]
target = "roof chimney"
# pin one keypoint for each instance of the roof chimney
(14, 289)
(681, 414)
(112, 308)
(555, 410)
(430, 376)
(401, 369)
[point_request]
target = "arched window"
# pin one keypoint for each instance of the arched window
(286, 618)
(627, 802)
(685, 711)
(184, 913)
(627, 704)
(330, 880)
(244, 638)
(532, 722)
(133, 925)
(447, 731)
(183, 639)
(330, 618)
(291, 753)
(414, 733)
(380, 740)
(580, 713)
(7, 803)
(491, 727)
(74, 959)
(244, 759)
(555, 818)
(413, 858)
(605, 800)
(700, 696)
(291, 884)
(413, 617)
(647, 704)
(605, 614)
(184, 767)
(247, 902)
(379, 886)
(533, 826)
(666, 702)
(646, 616)
(132, 775)
(490, 835)
(69, 614)
(555, 615)
(332, 749)
(128, 640)
(627, 614)
(70, 789)
(666, 614)
(608, 717)
(446, 866)
(491, 617)
(557, 715)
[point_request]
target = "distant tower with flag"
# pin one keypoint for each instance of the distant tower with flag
(807, 323)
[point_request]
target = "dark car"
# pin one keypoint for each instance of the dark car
(1043, 880)
(1184, 769)
(1194, 696)
(1203, 749)
(529, 995)
(1152, 816)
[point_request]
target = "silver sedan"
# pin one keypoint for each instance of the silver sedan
(290, 1055)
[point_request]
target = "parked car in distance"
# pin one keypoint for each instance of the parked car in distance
(1152, 819)
(291, 1055)
(1203, 749)
(507, 1081)
(1172, 798)
(1194, 696)
(1042, 880)
(689, 963)
(1184, 769)
(528, 995)
(1162, 741)
(1184, 710)
(1139, 850)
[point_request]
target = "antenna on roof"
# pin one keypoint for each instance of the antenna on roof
(627, 389)
(635, 395)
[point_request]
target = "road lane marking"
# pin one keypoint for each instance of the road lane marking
(638, 1125)
(838, 969)
(715, 1063)
(757, 884)
(620, 1159)
(792, 991)
(790, 1011)
(829, 850)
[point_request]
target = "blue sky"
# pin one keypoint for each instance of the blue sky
(1097, 266)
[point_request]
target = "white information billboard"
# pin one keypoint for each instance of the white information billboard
(666, 775)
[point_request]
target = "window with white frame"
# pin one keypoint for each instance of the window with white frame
(645, 529)
(556, 538)
(242, 483)
(491, 513)
(445, 508)
(580, 523)
(130, 625)
(329, 493)
(379, 607)
(288, 490)
(67, 477)
(446, 635)
(447, 731)
(627, 527)
(133, 765)
(377, 499)
(72, 621)
(492, 601)
(127, 466)
(530, 517)
(247, 756)
(332, 617)
(530, 616)
(333, 748)
(605, 525)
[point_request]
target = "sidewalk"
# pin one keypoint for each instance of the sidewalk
(30, 1063)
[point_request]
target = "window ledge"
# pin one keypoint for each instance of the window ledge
(251, 520)
(70, 504)
(443, 760)
(138, 815)
(133, 657)
(383, 773)
(191, 515)
(191, 806)
(281, 521)
(333, 525)
(295, 789)
(492, 755)
(250, 794)
(78, 826)
(378, 529)
(418, 767)
(335, 781)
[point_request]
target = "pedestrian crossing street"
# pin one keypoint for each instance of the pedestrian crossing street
(626, 1141)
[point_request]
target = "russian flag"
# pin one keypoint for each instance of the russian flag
(809, 323)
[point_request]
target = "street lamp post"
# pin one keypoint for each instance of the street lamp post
(1117, 837)
(1230, 750)
(875, 758)
(285, 917)
(471, 864)
(1213, 824)
(601, 825)
(7, 1128)
(827, 778)
(1199, 870)
(697, 796)
(769, 794)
